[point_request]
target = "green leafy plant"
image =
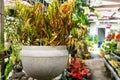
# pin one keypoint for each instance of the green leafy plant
(15, 55)
(1, 47)
(11, 25)
(1, 43)
(96, 39)
(109, 46)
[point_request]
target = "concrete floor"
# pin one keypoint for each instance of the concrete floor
(97, 68)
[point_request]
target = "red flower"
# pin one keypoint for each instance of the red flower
(77, 69)
(85, 72)
(76, 75)
(76, 64)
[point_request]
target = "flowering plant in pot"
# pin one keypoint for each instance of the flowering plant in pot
(76, 69)
(43, 28)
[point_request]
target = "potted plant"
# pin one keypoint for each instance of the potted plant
(44, 33)
(76, 69)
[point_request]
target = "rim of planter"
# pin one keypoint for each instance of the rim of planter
(44, 51)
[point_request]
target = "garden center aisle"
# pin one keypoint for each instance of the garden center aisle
(97, 67)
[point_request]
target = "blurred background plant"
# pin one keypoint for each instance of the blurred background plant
(11, 25)
(107, 47)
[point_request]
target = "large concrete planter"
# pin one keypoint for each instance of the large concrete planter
(44, 62)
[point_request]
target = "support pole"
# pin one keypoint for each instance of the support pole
(2, 22)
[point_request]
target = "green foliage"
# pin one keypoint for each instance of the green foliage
(11, 30)
(15, 55)
(8, 68)
(91, 41)
(1, 47)
(89, 38)
(80, 18)
(109, 46)
(96, 39)
(79, 12)
(1, 41)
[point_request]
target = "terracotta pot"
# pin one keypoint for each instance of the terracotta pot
(44, 62)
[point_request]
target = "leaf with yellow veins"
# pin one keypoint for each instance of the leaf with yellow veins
(54, 36)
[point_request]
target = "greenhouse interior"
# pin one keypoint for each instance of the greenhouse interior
(59, 39)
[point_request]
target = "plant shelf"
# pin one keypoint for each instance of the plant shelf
(111, 69)
(113, 53)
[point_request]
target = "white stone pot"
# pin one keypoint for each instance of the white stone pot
(44, 62)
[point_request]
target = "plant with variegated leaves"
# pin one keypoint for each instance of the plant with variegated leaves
(51, 27)
(52, 24)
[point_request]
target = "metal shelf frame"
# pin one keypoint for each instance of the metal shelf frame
(115, 55)
(112, 70)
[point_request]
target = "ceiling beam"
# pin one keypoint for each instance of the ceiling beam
(112, 0)
(107, 9)
(108, 6)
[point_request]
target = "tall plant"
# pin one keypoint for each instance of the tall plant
(79, 32)
(11, 25)
(51, 24)
(46, 28)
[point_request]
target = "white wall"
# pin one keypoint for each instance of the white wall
(94, 28)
